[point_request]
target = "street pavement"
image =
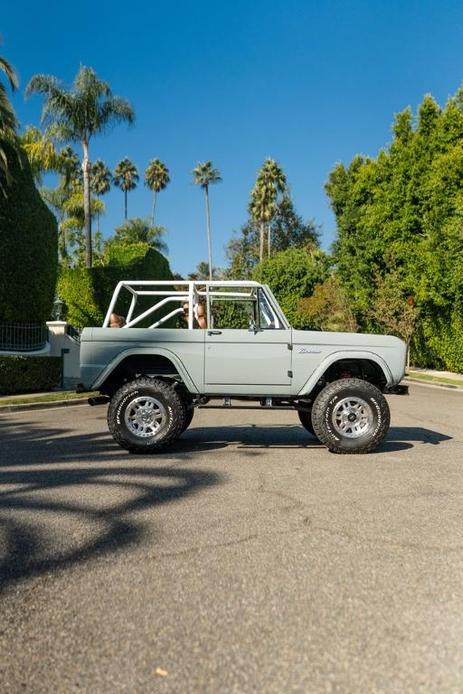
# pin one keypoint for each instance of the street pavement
(246, 559)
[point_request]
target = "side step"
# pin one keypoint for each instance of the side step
(265, 403)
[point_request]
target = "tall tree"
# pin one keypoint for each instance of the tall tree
(204, 175)
(156, 179)
(8, 122)
(77, 115)
(100, 182)
(400, 245)
(126, 178)
(270, 184)
(288, 230)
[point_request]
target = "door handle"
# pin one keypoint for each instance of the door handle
(214, 332)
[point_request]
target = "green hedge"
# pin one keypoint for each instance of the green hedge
(87, 292)
(29, 374)
(29, 248)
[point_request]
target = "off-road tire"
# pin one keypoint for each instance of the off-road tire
(324, 415)
(175, 414)
(305, 417)
(189, 414)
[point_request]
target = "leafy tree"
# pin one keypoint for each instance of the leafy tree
(126, 178)
(77, 115)
(8, 122)
(202, 272)
(156, 179)
(392, 311)
(270, 182)
(204, 175)
(399, 219)
(329, 307)
(292, 275)
(41, 152)
(141, 231)
(288, 230)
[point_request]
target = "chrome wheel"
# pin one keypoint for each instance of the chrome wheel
(352, 417)
(145, 416)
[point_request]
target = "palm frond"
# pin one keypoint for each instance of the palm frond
(126, 175)
(156, 175)
(204, 174)
(7, 115)
(10, 73)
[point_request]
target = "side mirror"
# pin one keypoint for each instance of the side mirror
(253, 326)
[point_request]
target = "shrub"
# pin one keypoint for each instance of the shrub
(87, 292)
(29, 374)
(329, 308)
(292, 276)
(29, 248)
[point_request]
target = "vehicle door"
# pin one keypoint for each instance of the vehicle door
(247, 350)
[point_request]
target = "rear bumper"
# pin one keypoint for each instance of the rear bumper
(398, 389)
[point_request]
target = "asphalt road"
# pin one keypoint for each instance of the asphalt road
(247, 559)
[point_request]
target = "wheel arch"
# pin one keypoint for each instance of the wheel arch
(366, 362)
(158, 362)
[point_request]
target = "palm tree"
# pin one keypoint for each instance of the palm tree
(77, 115)
(100, 182)
(205, 175)
(156, 179)
(8, 122)
(270, 183)
(69, 168)
(126, 178)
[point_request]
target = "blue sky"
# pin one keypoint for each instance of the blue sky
(308, 83)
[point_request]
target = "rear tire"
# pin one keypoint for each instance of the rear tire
(146, 415)
(351, 416)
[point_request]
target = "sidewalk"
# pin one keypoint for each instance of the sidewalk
(443, 378)
(56, 398)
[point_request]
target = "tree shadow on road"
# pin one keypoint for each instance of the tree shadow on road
(100, 495)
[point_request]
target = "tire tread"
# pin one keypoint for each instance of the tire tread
(176, 425)
(321, 402)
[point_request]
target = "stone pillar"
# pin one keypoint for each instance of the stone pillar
(61, 344)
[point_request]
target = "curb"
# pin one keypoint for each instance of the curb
(428, 384)
(42, 405)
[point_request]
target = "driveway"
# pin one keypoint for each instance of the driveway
(246, 559)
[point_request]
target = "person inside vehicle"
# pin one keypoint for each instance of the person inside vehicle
(199, 315)
(116, 321)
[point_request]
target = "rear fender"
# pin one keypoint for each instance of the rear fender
(141, 351)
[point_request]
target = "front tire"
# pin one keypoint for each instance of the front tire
(146, 415)
(189, 414)
(351, 416)
(305, 418)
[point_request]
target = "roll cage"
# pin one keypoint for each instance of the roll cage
(267, 314)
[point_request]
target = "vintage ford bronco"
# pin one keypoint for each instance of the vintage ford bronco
(233, 342)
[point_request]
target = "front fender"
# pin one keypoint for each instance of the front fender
(149, 351)
(337, 356)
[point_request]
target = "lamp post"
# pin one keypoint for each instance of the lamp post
(57, 307)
